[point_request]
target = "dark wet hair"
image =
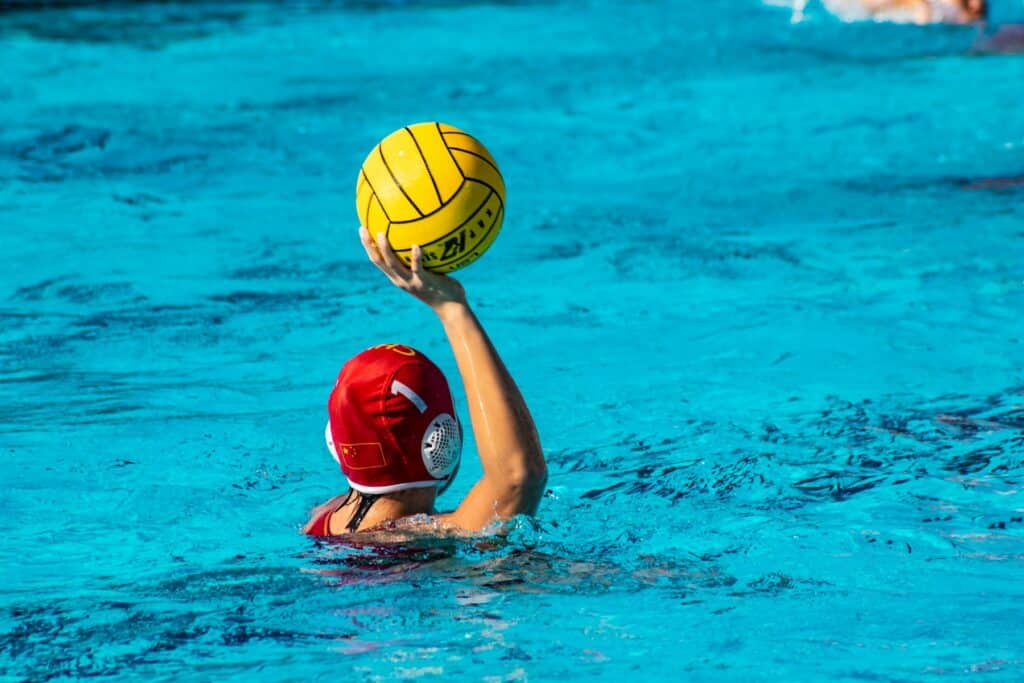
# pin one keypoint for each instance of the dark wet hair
(363, 505)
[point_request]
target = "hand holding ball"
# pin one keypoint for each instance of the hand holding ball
(433, 185)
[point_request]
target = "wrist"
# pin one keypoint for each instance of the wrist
(450, 310)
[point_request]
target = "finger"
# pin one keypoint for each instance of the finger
(417, 261)
(391, 260)
(369, 246)
(376, 252)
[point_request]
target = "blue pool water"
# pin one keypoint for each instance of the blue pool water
(761, 281)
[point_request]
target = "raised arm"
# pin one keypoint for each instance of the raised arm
(513, 463)
(506, 438)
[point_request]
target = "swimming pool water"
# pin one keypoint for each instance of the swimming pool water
(761, 283)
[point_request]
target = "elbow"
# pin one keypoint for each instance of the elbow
(528, 478)
(528, 481)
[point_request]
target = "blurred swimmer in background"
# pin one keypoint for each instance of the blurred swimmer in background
(393, 430)
(909, 11)
(1006, 39)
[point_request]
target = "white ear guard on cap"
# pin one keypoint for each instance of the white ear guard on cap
(441, 446)
(330, 442)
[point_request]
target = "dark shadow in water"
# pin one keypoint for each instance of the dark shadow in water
(1004, 183)
(843, 450)
(148, 24)
(299, 5)
(60, 639)
(502, 565)
(940, 185)
(57, 144)
(883, 448)
(157, 23)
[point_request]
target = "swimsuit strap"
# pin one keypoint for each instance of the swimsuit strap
(326, 528)
(366, 501)
(322, 526)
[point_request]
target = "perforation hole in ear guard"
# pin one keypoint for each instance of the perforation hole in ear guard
(442, 446)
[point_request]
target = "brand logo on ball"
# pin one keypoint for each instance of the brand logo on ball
(433, 185)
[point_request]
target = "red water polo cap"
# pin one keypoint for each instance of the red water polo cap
(391, 421)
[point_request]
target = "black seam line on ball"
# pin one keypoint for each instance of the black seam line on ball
(444, 142)
(380, 148)
(488, 186)
(431, 213)
(372, 189)
(463, 223)
(480, 157)
(490, 229)
(426, 165)
(369, 201)
(465, 135)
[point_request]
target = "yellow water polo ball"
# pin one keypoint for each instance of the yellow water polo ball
(433, 185)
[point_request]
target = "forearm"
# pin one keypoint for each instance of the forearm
(506, 437)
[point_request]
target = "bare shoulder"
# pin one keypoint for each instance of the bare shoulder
(319, 510)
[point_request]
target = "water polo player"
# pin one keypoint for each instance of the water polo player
(393, 430)
(912, 11)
